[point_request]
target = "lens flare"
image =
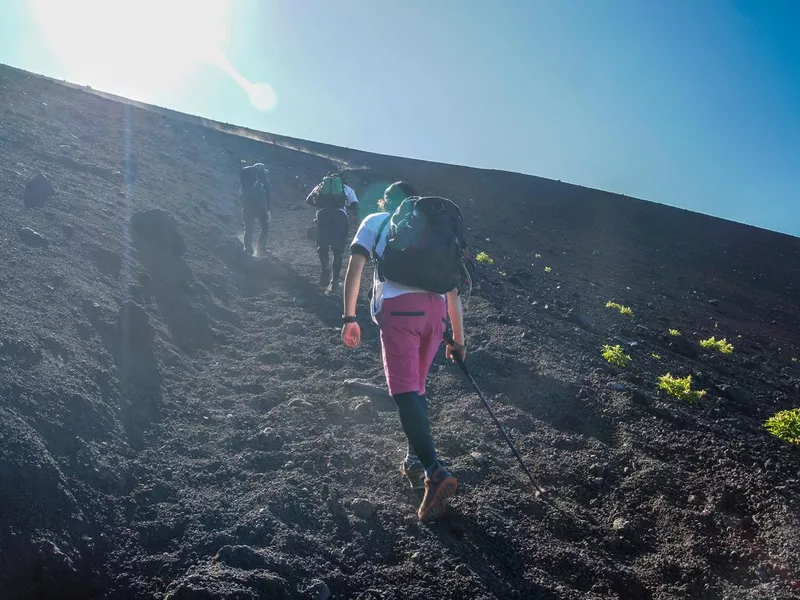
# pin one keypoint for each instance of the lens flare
(262, 96)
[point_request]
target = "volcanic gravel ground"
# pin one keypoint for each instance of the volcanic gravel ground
(174, 422)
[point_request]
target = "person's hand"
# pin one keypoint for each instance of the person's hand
(450, 351)
(351, 335)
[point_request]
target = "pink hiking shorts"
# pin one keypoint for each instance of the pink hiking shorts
(412, 326)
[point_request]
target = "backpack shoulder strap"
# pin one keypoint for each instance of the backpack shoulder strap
(381, 229)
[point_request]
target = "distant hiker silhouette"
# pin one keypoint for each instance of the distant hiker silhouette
(254, 197)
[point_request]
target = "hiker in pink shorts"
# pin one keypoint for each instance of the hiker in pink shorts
(412, 321)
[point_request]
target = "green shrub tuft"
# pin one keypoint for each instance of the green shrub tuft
(680, 387)
(785, 425)
(615, 356)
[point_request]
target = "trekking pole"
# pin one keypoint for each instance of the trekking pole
(460, 361)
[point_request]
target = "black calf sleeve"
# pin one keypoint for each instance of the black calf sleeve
(423, 400)
(414, 418)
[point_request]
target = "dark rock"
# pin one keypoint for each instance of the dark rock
(463, 569)
(336, 509)
(580, 319)
(22, 352)
(480, 459)
(267, 437)
(737, 394)
(597, 469)
(318, 590)
(620, 525)
(159, 228)
(92, 310)
(295, 328)
(336, 408)
(361, 387)
(106, 261)
(133, 325)
(362, 508)
(680, 345)
(33, 238)
(240, 557)
(364, 411)
(37, 191)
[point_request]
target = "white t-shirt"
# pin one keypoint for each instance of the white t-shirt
(366, 237)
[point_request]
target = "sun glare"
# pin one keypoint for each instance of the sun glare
(141, 48)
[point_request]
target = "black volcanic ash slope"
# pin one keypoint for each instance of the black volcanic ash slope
(173, 422)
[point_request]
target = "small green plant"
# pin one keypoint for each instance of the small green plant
(547, 269)
(623, 310)
(502, 273)
(484, 258)
(537, 255)
(674, 332)
(794, 359)
(679, 387)
(721, 345)
(785, 425)
(656, 356)
(615, 356)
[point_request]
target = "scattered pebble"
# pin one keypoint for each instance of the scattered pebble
(364, 410)
(479, 458)
(32, 238)
(266, 437)
(319, 590)
(620, 525)
(597, 469)
(362, 508)
(336, 408)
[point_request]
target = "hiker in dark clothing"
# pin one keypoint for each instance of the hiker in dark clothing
(333, 198)
(254, 197)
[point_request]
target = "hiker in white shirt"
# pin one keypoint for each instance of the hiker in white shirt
(333, 198)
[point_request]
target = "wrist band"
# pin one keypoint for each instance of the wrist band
(348, 319)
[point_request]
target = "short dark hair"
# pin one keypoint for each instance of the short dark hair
(397, 192)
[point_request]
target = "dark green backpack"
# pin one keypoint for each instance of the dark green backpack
(331, 192)
(425, 245)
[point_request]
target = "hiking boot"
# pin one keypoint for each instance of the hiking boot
(325, 277)
(333, 288)
(413, 470)
(440, 487)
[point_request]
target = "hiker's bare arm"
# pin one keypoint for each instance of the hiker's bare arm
(352, 282)
(312, 196)
(456, 316)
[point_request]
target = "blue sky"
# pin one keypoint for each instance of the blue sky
(692, 103)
